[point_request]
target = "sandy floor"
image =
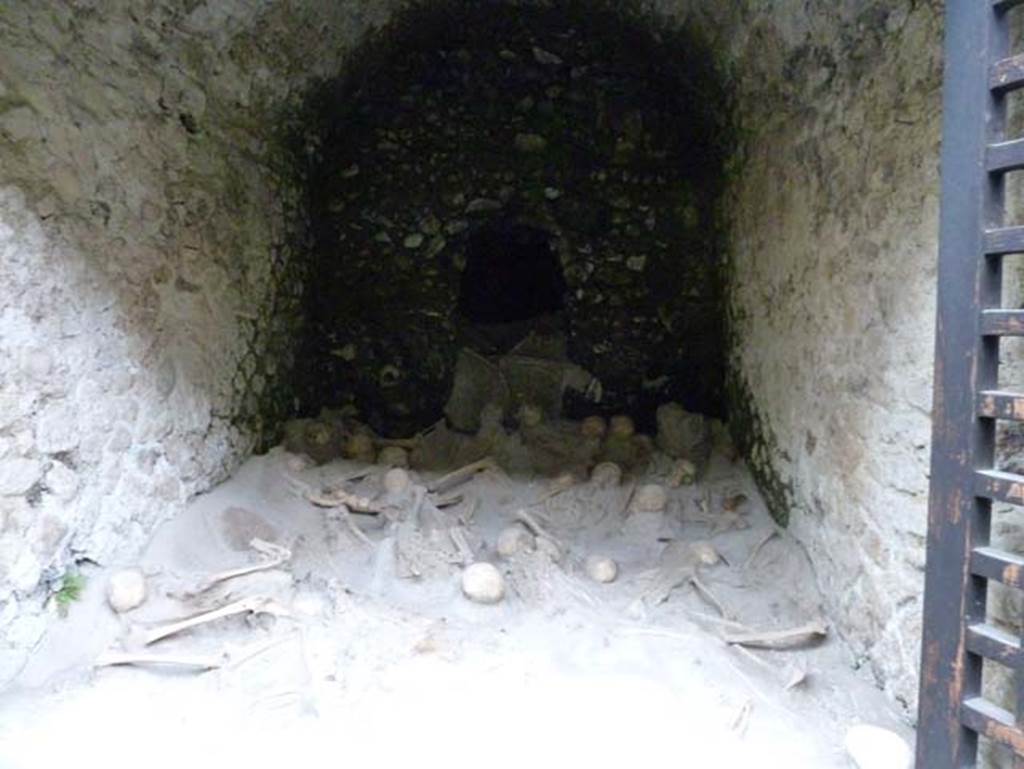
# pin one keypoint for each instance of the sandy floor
(373, 668)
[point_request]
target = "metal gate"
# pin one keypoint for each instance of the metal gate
(981, 72)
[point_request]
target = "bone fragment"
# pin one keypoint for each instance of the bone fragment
(202, 662)
(757, 548)
(538, 531)
(779, 639)
(251, 604)
(460, 476)
(276, 555)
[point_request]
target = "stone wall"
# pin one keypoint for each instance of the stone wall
(149, 224)
(150, 214)
(832, 224)
(576, 124)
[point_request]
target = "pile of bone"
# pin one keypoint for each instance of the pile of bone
(127, 591)
(430, 522)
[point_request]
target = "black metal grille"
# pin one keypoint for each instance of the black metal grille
(959, 636)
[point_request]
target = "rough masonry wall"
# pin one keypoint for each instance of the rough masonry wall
(571, 121)
(832, 222)
(148, 275)
(146, 208)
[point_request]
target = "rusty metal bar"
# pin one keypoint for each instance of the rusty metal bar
(1005, 156)
(982, 717)
(999, 404)
(1007, 74)
(997, 485)
(992, 563)
(1004, 240)
(966, 363)
(994, 643)
(1002, 323)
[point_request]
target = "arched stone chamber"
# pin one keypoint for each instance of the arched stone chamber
(313, 232)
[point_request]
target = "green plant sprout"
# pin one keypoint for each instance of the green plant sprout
(70, 591)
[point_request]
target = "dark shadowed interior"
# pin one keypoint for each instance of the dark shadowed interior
(521, 164)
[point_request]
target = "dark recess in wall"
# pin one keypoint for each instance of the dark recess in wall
(512, 273)
(459, 129)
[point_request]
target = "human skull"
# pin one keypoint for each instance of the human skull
(514, 539)
(359, 446)
(126, 590)
(396, 481)
(483, 583)
(593, 427)
(530, 415)
(606, 474)
(393, 456)
(601, 568)
(650, 498)
(621, 426)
